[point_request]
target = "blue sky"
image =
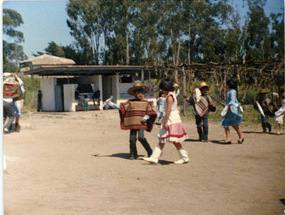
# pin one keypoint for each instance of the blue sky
(45, 21)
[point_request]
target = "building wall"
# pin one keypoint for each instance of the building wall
(69, 97)
(48, 91)
(108, 85)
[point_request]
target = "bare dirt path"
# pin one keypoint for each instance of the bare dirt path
(78, 163)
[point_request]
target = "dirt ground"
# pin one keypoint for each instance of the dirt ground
(78, 163)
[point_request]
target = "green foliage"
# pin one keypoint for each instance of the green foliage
(32, 86)
(11, 20)
(250, 97)
(54, 49)
(175, 32)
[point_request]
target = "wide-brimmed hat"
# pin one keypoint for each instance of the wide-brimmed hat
(203, 84)
(11, 80)
(262, 92)
(138, 85)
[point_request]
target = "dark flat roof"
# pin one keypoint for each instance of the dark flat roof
(81, 70)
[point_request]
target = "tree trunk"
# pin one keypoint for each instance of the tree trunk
(184, 92)
(127, 52)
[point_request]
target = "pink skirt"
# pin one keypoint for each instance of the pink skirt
(175, 133)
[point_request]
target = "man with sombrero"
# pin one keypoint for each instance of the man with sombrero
(136, 115)
(262, 105)
(202, 104)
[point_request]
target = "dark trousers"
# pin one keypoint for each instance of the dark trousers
(133, 140)
(8, 112)
(202, 126)
(39, 105)
(265, 124)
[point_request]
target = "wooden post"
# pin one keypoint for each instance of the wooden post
(235, 68)
(142, 75)
(184, 92)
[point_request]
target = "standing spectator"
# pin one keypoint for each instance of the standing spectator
(172, 129)
(160, 109)
(40, 96)
(231, 116)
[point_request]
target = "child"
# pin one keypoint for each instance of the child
(202, 105)
(264, 103)
(232, 117)
(160, 110)
(280, 114)
(172, 129)
(160, 101)
(136, 115)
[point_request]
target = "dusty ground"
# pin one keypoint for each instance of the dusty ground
(77, 163)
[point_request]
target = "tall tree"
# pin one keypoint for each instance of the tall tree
(54, 49)
(85, 27)
(257, 43)
(12, 51)
(277, 35)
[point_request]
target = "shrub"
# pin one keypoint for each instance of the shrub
(250, 97)
(32, 86)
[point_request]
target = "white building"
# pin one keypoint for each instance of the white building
(59, 80)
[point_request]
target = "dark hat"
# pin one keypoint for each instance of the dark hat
(137, 86)
(262, 92)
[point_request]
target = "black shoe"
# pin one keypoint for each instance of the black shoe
(229, 142)
(133, 156)
(17, 127)
(240, 142)
(270, 128)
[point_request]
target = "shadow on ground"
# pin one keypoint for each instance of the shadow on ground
(127, 156)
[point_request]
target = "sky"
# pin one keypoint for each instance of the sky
(45, 21)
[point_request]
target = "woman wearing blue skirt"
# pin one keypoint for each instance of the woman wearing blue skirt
(231, 117)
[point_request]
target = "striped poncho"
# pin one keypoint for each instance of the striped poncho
(202, 106)
(132, 111)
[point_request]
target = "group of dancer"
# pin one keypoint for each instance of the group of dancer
(138, 115)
